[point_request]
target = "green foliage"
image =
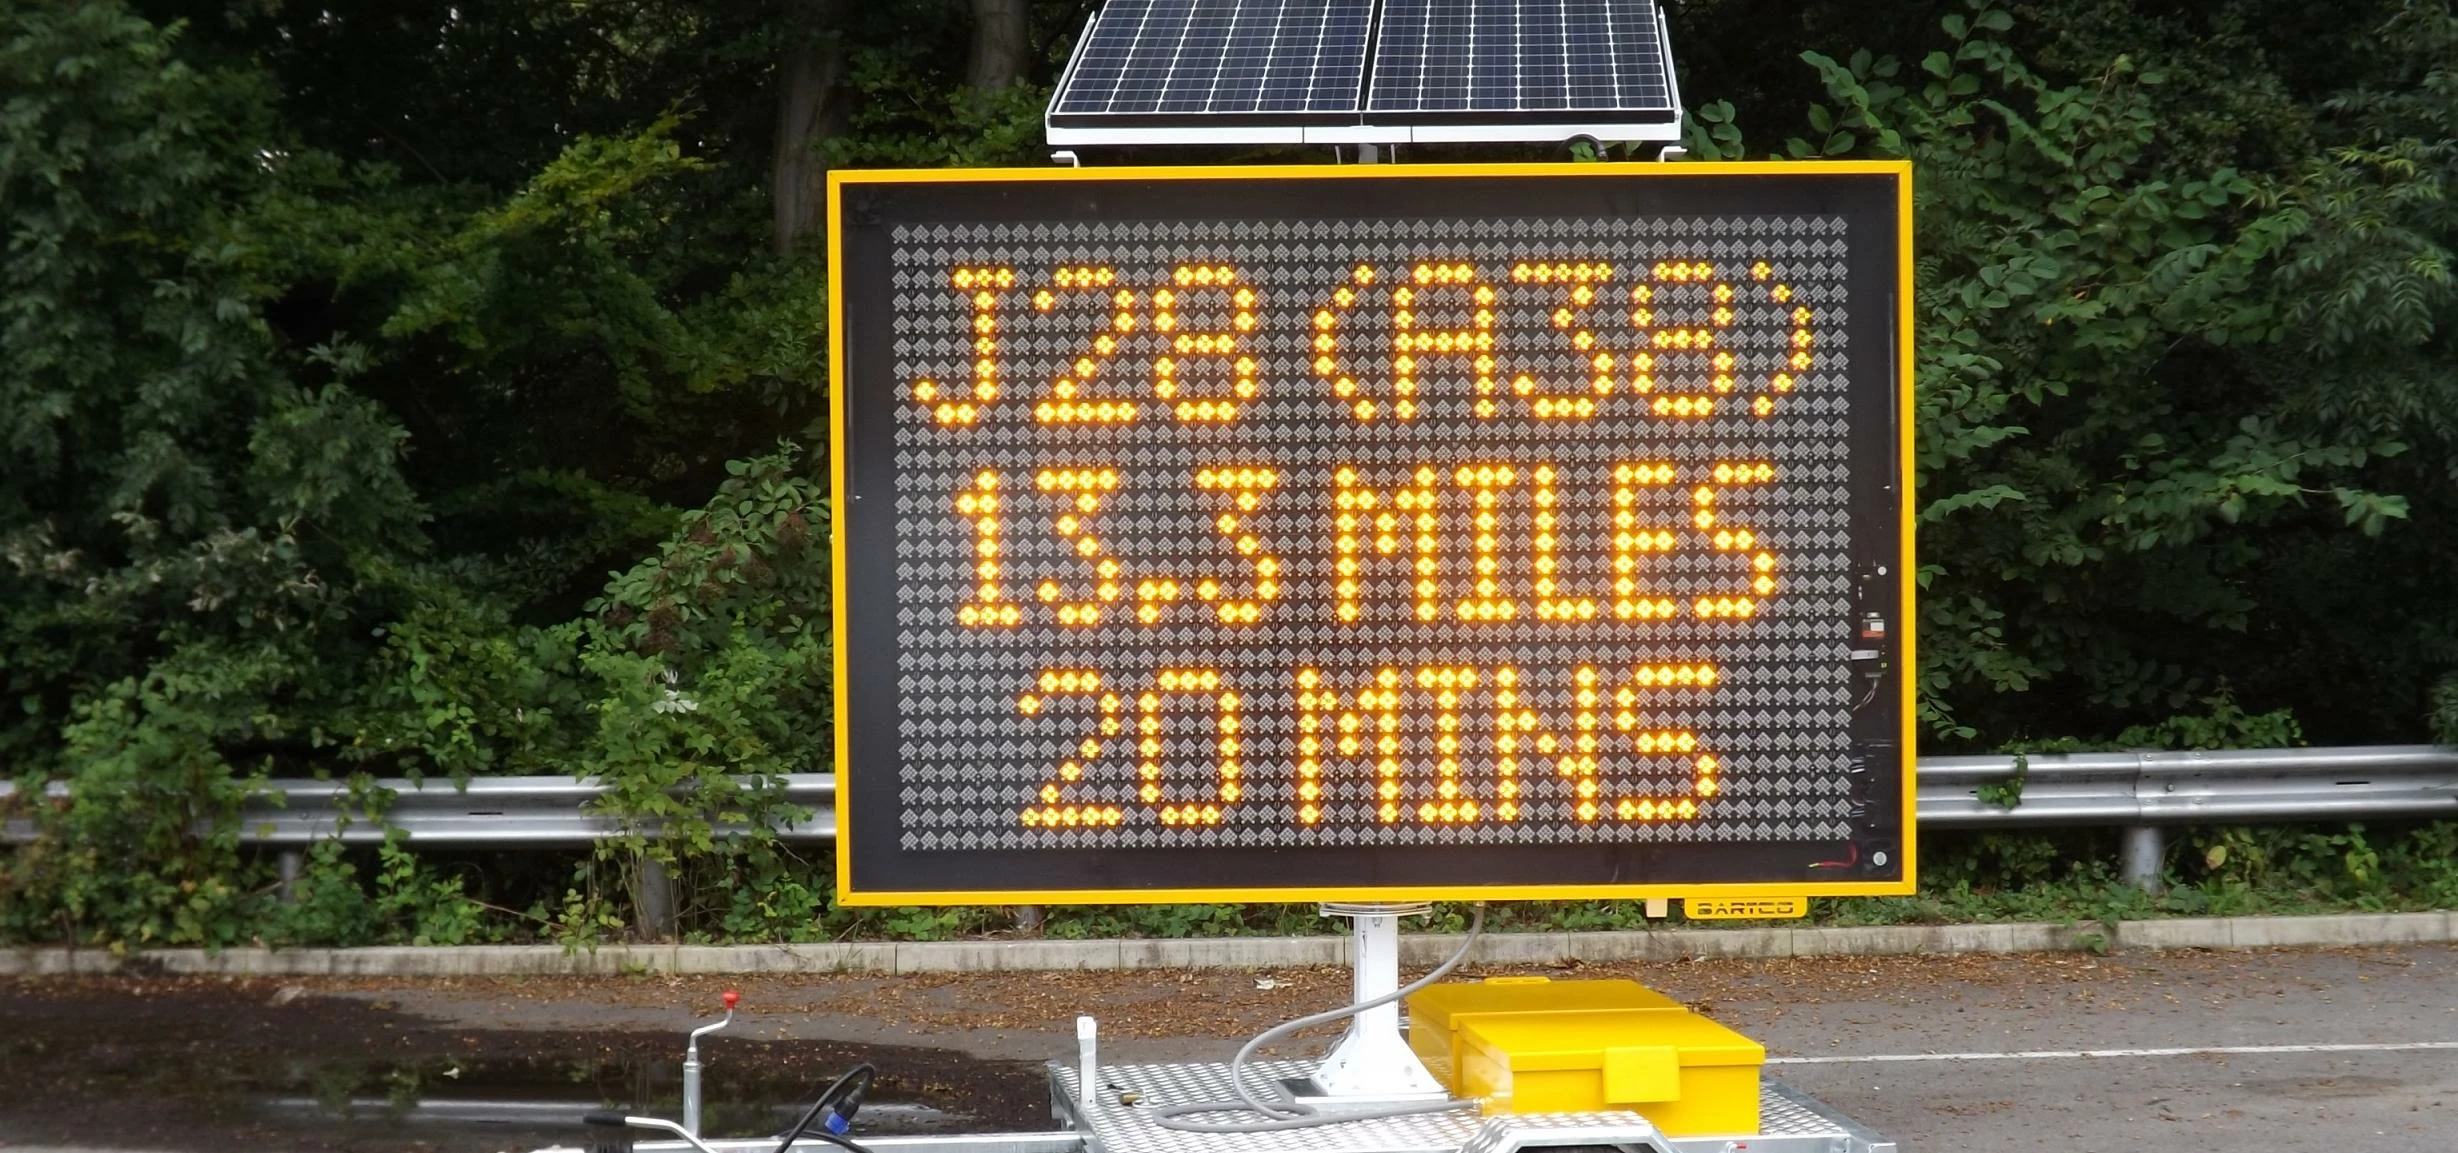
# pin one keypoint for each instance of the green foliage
(2445, 711)
(2071, 877)
(712, 665)
(329, 903)
(2113, 448)
(2007, 793)
(150, 777)
(1181, 921)
(457, 688)
(2224, 726)
(341, 436)
(315, 453)
(407, 902)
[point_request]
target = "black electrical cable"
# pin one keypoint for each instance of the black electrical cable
(852, 1086)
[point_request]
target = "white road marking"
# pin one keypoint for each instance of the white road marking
(2067, 1054)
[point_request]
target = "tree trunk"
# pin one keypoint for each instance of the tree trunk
(999, 45)
(807, 113)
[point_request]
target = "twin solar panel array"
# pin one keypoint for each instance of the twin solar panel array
(1368, 71)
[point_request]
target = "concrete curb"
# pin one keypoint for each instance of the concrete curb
(1244, 952)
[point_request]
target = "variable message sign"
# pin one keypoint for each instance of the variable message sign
(1372, 532)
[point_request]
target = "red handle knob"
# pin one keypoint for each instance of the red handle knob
(731, 997)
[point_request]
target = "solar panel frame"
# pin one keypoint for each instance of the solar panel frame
(1368, 71)
(1225, 63)
(1595, 59)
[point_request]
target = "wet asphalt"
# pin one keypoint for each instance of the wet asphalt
(2290, 1050)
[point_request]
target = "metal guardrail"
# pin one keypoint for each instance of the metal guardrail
(2143, 793)
(2082, 789)
(488, 812)
(2224, 787)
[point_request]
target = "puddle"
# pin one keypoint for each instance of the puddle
(528, 1103)
(209, 1068)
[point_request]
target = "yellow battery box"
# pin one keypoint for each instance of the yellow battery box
(1435, 1014)
(1689, 1075)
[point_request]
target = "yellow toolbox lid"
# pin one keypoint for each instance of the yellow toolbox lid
(1548, 1041)
(1437, 1006)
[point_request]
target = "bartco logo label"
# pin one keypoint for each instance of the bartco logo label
(1747, 908)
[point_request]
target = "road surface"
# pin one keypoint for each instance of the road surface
(2354, 1051)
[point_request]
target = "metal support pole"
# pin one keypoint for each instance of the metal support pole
(2144, 862)
(657, 915)
(1375, 970)
(691, 1064)
(1028, 918)
(288, 863)
(1373, 1060)
(691, 1090)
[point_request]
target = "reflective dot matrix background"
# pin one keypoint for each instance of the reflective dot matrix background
(1395, 532)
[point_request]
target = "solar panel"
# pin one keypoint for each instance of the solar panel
(1459, 60)
(1367, 71)
(1174, 59)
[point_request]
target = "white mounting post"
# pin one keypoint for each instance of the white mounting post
(1373, 1060)
(1087, 1066)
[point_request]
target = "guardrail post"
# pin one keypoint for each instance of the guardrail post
(656, 903)
(288, 862)
(2145, 857)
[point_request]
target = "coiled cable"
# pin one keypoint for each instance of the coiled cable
(1282, 1112)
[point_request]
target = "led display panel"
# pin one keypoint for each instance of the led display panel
(1372, 533)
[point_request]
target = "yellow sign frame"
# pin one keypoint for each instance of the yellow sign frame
(1796, 889)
